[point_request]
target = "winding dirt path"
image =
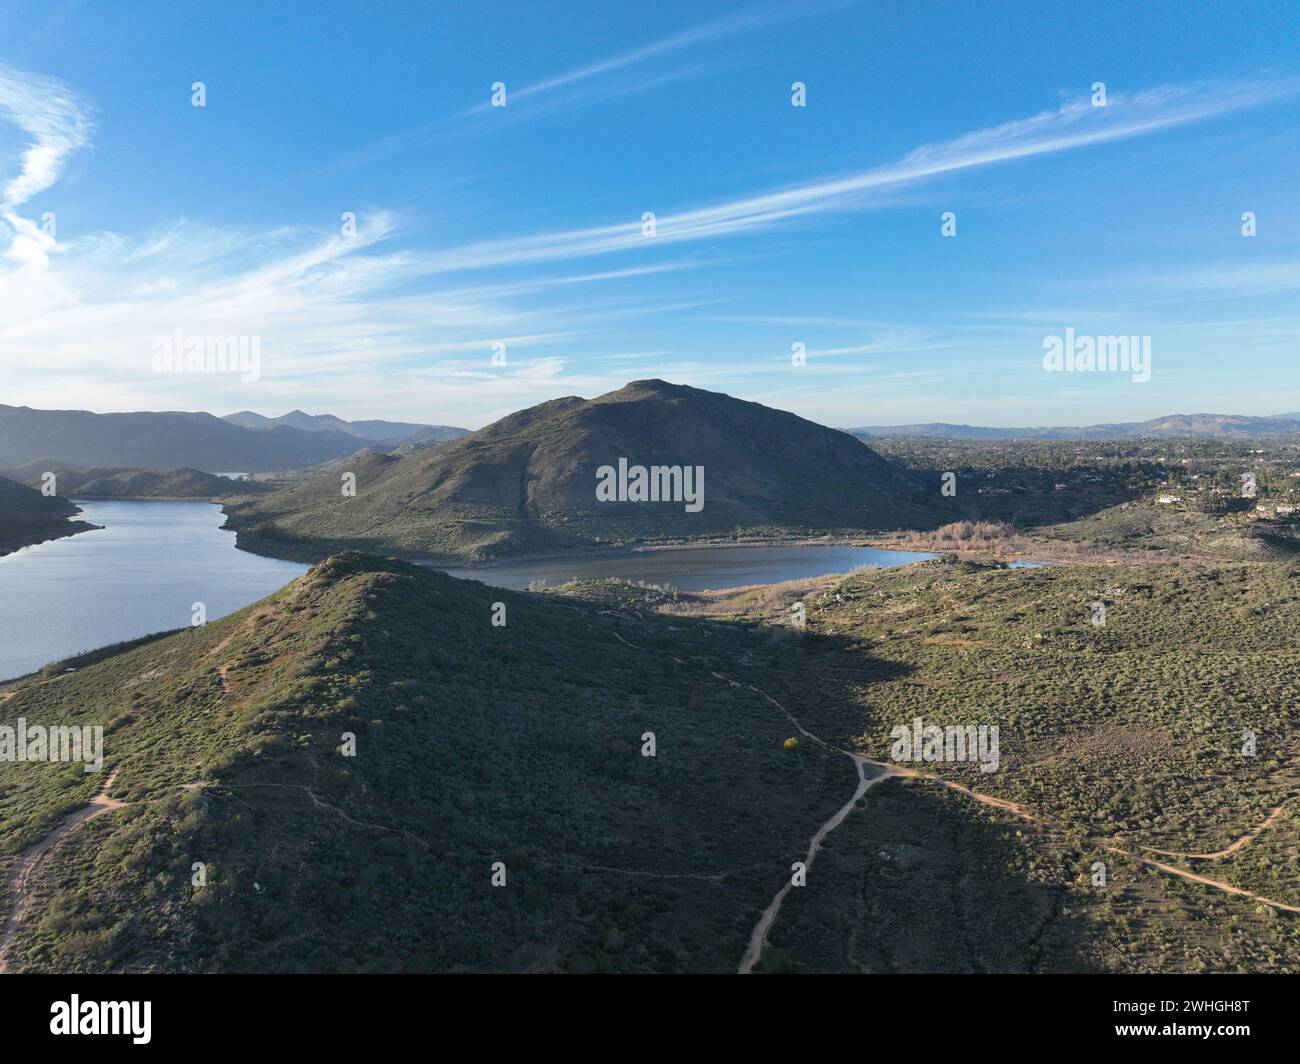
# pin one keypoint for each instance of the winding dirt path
(885, 770)
(1273, 816)
(1172, 870)
(20, 875)
(758, 937)
(1206, 881)
(320, 803)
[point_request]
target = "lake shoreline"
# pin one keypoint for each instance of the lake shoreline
(248, 541)
(152, 566)
(75, 528)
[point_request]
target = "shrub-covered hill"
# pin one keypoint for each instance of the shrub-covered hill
(527, 483)
(1123, 735)
(150, 484)
(474, 744)
(27, 516)
(1174, 726)
(1122, 692)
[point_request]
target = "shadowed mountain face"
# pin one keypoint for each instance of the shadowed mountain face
(393, 432)
(475, 745)
(1205, 425)
(148, 440)
(528, 483)
(27, 516)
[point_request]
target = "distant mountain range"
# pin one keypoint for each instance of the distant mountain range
(372, 431)
(78, 438)
(527, 484)
(1204, 425)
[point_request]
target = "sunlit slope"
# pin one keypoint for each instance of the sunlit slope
(527, 483)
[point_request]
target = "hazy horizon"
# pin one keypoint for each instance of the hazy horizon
(345, 415)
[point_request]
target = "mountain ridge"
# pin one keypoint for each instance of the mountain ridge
(526, 484)
(147, 439)
(1199, 425)
(226, 745)
(374, 431)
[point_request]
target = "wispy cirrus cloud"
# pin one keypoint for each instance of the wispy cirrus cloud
(58, 122)
(333, 314)
(1075, 124)
(734, 24)
(593, 83)
(334, 311)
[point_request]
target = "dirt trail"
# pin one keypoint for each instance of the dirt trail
(1273, 815)
(1206, 881)
(320, 803)
(886, 770)
(1172, 870)
(20, 875)
(758, 937)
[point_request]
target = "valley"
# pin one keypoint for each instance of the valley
(680, 734)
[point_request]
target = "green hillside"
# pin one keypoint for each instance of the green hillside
(150, 484)
(474, 744)
(522, 744)
(527, 483)
(1120, 739)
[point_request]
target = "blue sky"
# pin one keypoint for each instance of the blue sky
(775, 225)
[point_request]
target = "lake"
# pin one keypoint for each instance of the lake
(697, 568)
(141, 573)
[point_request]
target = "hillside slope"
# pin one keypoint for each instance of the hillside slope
(1169, 732)
(527, 483)
(474, 744)
(27, 516)
(522, 745)
(150, 484)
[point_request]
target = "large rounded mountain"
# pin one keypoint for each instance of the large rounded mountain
(564, 475)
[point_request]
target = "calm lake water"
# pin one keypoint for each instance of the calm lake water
(696, 569)
(140, 573)
(143, 571)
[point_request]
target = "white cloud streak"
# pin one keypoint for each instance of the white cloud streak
(377, 331)
(1074, 125)
(58, 123)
